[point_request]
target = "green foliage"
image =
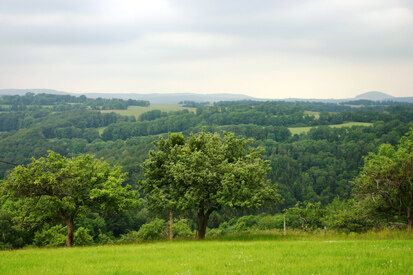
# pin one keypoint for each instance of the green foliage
(309, 215)
(386, 182)
(180, 229)
(9, 236)
(155, 230)
(82, 237)
(346, 216)
(207, 173)
(51, 236)
(66, 188)
(271, 222)
(152, 231)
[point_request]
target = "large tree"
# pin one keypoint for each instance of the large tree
(207, 173)
(60, 188)
(386, 181)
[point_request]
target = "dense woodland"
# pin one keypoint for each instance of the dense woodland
(313, 171)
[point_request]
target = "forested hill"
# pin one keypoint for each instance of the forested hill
(315, 149)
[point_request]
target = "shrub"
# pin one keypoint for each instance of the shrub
(271, 222)
(130, 237)
(51, 236)
(104, 238)
(180, 229)
(155, 230)
(346, 216)
(82, 237)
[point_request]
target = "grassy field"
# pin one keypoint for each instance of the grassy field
(311, 113)
(138, 110)
(219, 257)
(299, 130)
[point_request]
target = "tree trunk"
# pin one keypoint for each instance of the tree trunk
(202, 223)
(170, 226)
(70, 232)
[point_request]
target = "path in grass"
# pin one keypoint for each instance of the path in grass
(138, 110)
(218, 257)
(300, 130)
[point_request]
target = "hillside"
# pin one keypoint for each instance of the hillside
(375, 96)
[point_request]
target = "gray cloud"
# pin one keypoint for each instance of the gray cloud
(147, 37)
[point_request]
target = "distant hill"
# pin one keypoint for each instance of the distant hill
(155, 98)
(35, 91)
(375, 96)
(175, 98)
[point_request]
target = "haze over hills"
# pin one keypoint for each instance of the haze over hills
(174, 98)
(373, 95)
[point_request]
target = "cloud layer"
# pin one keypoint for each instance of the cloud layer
(274, 49)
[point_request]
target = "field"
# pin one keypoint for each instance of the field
(299, 130)
(252, 256)
(138, 110)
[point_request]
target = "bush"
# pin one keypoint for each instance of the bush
(245, 223)
(271, 222)
(155, 230)
(82, 237)
(346, 216)
(130, 237)
(51, 236)
(10, 237)
(180, 229)
(104, 238)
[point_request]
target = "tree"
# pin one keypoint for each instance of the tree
(159, 175)
(60, 188)
(208, 173)
(386, 180)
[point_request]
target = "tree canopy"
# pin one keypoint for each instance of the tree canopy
(207, 173)
(59, 188)
(387, 179)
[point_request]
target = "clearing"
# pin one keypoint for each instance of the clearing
(300, 130)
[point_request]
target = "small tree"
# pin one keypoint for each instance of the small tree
(387, 179)
(208, 173)
(62, 188)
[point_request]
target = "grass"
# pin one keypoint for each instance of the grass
(138, 110)
(312, 113)
(300, 130)
(318, 255)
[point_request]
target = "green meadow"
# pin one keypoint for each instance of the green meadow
(250, 255)
(300, 130)
(138, 110)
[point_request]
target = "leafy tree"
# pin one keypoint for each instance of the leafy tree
(387, 179)
(209, 172)
(62, 188)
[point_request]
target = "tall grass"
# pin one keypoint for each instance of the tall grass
(383, 252)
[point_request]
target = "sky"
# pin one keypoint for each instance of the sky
(262, 48)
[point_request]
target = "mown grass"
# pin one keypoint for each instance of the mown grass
(300, 130)
(387, 254)
(138, 110)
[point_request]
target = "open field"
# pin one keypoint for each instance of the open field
(299, 130)
(219, 257)
(311, 113)
(138, 110)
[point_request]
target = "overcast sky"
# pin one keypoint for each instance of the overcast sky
(263, 48)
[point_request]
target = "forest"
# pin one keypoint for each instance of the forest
(317, 173)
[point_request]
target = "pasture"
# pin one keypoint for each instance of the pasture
(253, 255)
(138, 110)
(300, 130)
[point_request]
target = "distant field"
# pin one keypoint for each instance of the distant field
(299, 130)
(218, 257)
(138, 110)
(311, 113)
